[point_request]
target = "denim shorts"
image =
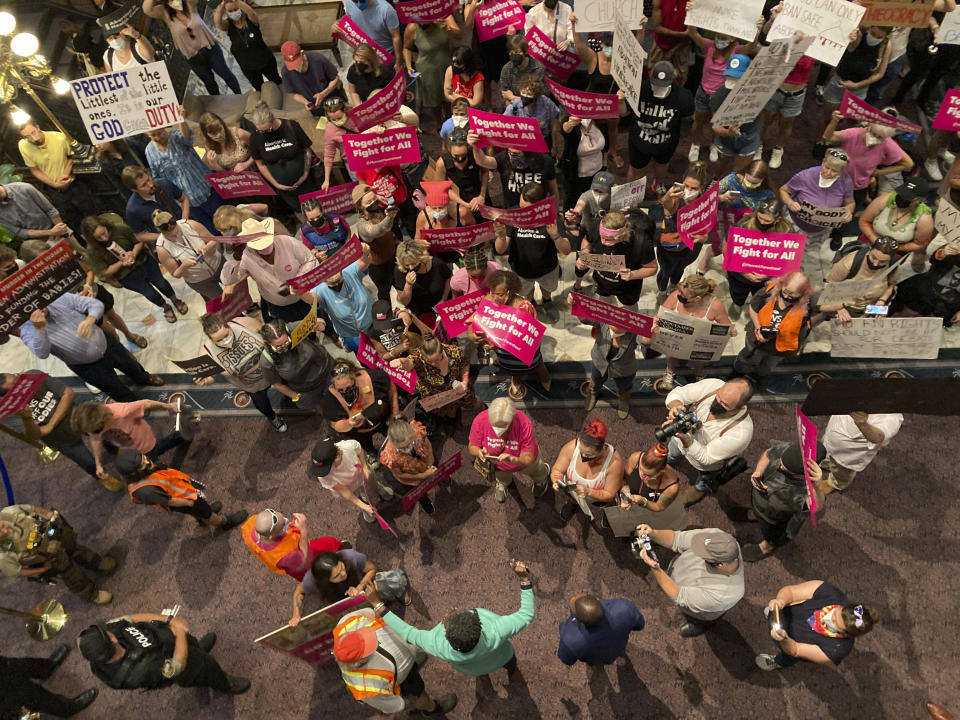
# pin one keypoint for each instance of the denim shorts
(786, 104)
(833, 93)
(701, 102)
(742, 144)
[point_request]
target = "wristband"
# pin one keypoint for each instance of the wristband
(378, 607)
(526, 584)
(296, 398)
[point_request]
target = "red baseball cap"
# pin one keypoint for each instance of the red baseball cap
(353, 646)
(292, 54)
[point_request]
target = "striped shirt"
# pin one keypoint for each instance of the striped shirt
(60, 339)
(181, 166)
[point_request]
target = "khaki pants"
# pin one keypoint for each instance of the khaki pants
(839, 477)
(538, 472)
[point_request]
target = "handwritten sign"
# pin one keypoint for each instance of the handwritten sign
(230, 185)
(399, 146)
(846, 291)
(510, 329)
(558, 63)
(628, 195)
(627, 62)
(822, 216)
(348, 31)
(856, 109)
(600, 15)
(949, 32)
(116, 105)
(457, 238)
(698, 217)
(583, 306)
(423, 12)
(19, 396)
(807, 437)
(455, 313)
(532, 216)
(338, 199)
(897, 13)
(585, 104)
(755, 251)
(367, 354)
(198, 367)
(505, 131)
(430, 403)
(829, 22)
(737, 19)
(496, 18)
(305, 327)
(351, 251)
(601, 262)
(444, 470)
(232, 305)
(948, 116)
(947, 220)
(689, 338)
(384, 104)
(35, 286)
(880, 337)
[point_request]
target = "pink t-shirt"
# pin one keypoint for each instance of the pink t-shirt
(128, 429)
(462, 282)
(713, 67)
(864, 160)
(801, 71)
(517, 440)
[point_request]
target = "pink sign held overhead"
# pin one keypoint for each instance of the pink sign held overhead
(232, 305)
(585, 104)
(558, 63)
(383, 105)
(230, 185)
(457, 238)
(754, 251)
(455, 313)
(532, 216)
(698, 217)
(370, 151)
(367, 354)
(807, 435)
(506, 131)
(444, 470)
(589, 308)
(948, 117)
(425, 11)
(493, 19)
(728, 217)
(338, 199)
(510, 329)
(856, 109)
(351, 251)
(19, 396)
(348, 31)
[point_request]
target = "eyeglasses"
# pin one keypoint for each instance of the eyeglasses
(839, 155)
(858, 613)
(275, 519)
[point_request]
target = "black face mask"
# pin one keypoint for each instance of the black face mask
(877, 266)
(589, 460)
(788, 301)
(336, 288)
(517, 59)
(373, 208)
(765, 226)
(527, 100)
(363, 67)
(457, 69)
(350, 394)
(902, 202)
(517, 161)
(717, 409)
(319, 222)
(683, 300)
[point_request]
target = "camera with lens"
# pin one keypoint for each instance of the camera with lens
(643, 542)
(684, 422)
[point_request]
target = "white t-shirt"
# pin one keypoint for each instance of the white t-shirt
(349, 471)
(847, 445)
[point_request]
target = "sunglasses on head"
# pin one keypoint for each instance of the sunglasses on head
(275, 519)
(839, 154)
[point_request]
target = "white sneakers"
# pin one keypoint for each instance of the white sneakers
(776, 158)
(933, 169)
(694, 153)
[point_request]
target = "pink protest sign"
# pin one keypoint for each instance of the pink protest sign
(585, 104)
(856, 109)
(496, 18)
(337, 199)
(754, 251)
(425, 11)
(344, 257)
(455, 313)
(373, 150)
(457, 238)
(510, 329)
(383, 105)
(590, 308)
(728, 217)
(531, 216)
(352, 35)
(506, 131)
(367, 354)
(229, 306)
(807, 435)
(948, 117)
(230, 185)
(384, 525)
(558, 63)
(19, 396)
(698, 217)
(444, 470)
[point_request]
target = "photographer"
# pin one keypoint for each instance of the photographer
(56, 556)
(704, 580)
(722, 432)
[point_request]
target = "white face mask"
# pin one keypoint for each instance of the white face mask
(689, 194)
(824, 182)
(500, 430)
(608, 52)
(176, 4)
(871, 40)
(226, 342)
(460, 120)
(117, 43)
(870, 139)
(660, 92)
(235, 14)
(721, 44)
(439, 214)
(585, 122)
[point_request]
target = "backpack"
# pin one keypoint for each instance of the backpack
(853, 246)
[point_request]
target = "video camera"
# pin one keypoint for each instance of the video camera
(643, 542)
(684, 422)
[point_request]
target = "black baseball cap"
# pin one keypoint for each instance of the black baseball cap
(128, 462)
(95, 644)
(915, 187)
(322, 457)
(792, 458)
(382, 313)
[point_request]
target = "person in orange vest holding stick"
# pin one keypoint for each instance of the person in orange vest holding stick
(151, 484)
(282, 544)
(381, 670)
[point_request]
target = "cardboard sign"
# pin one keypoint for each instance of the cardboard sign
(444, 470)
(856, 109)
(947, 220)
(312, 639)
(583, 306)
(348, 31)
(351, 251)
(367, 354)
(35, 286)
(457, 238)
(558, 63)
(116, 105)
(510, 329)
(338, 199)
(846, 291)
(113, 23)
(764, 75)
(518, 133)
(19, 396)
(770, 254)
(585, 104)
(601, 262)
(948, 116)
(230, 185)
(949, 32)
(738, 19)
(897, 13)
(384, 104)
(232, 305)
(829, 22)
(429, 403)
(627, 62)
(689, 338)
(198, 367)
(698, 217)
(305, 327)
(600, 15)
(455, 313)
(532, 216)
(939, 396)
(822, 216)
(423, 12)
(493, 19)
(399, 146)
(880, 337)
(807, 436)
(628, 195)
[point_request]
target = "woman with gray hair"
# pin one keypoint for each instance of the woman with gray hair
(408, 454)
(283, 155)
(823, 186)
(503, 442)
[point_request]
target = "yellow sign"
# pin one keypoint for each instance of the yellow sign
(305, 327)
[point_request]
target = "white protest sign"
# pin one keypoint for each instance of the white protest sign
(764, 75)
(116, 105)
(597, 15)
(628, 195)
(627, 63)
(689, 338)
(847, 291)
(822, 216)
(738, 19)
(830, 22)
(879, 337)
(949, 32)
(947, 220)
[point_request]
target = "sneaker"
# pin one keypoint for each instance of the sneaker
(933, 169)
(110, 483)
(818, 94)
(107, 564)
(776, 158)
(539, 488)
(238, 684)
(207, 642)
(759, 152)
(445, 703)
(384, 491)
(714, 153)
(766, 662)
(735, 312)
(662, 297)
(589, 397)
(567, 511)
(694, 153)
(500, 493)
(278, 424)
(948, 157)
(237, 517)
(426, 505)
(367, 517)
(83, 700)
(103, 597)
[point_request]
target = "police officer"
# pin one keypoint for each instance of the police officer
(38, 543)
(151, 651)
(19, 689)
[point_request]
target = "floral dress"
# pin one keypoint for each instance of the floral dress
(430, 381)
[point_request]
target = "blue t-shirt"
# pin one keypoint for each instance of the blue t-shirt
(329, 241)
(352, 305)
(603, 643)
(140, 211)
(376, 21)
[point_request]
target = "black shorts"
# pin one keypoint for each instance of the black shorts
(104, 296)
(641, 155)
(201, 510)
(413, 686)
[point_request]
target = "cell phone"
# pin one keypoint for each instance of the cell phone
(774, 619)
(677, 186)
(734, 193)
(198, 257)
(877, 310)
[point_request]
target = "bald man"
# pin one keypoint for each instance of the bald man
(597, 631)
(281, 543)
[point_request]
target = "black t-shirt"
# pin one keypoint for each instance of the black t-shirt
(536, 167)
(287, 142)
(428, 289)
(247, 45)
(533, 253)
(637, 252)
(367, 82)
(716, 100)
(42, 406)
(468, 180)
(795, 619)
(658, 123)
(333, 411)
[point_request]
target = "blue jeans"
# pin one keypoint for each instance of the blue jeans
(875, 92)
(784, 660)
(149, 282)
(704, 477)
(351, 343)
(208, 61)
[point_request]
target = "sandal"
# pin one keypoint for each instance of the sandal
(517, 390)
(180, 305)
(139, 340)
(169, 315)
(616, 158)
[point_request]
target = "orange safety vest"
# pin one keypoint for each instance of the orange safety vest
(290, 541)
(365, 682)
(173, 482)
(788, 334)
